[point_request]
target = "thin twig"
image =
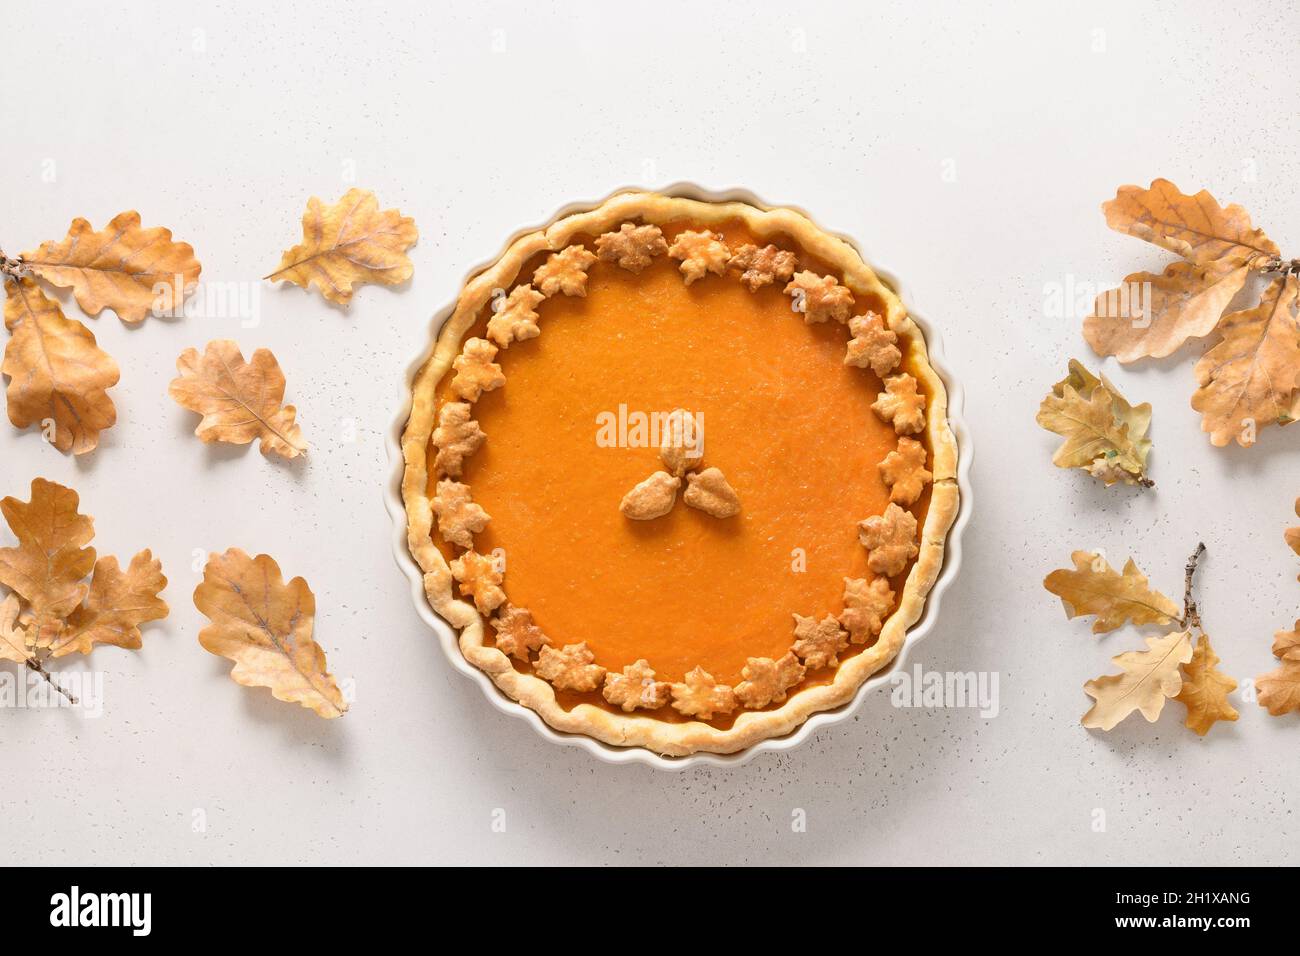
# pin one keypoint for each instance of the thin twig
(1191, 613)
(38, 667)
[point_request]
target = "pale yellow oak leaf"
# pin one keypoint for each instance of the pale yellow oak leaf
(1147, 679)
(1094, 587)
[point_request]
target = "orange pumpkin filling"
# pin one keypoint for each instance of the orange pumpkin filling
(784, 418)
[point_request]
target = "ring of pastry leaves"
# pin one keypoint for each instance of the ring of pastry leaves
(893, 539)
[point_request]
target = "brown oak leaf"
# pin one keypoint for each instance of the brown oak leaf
(763, 266)
(118, 603)
(131, 270)
(349, 243)
(564, 271)
(1205, 689)
(476, 373)
(636, 688)
(818, 643)
(1286, 644)
(15, 640)
(890, 539)
(1194, 227)
(1149, 678)
(872, 345)
(1151, 315)
(459, 518)
(265, 626)
(569, 668)
(457, 437)
(699, 695)
(1249, 378)
(1279, 689)
(1104, 434)
(239, 401)
(1094, 587)
(632, 247)
(58, 376)
(48, 567)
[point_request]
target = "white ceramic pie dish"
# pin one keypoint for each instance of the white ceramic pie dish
(447, 638)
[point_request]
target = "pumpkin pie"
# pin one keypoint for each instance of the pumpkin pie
(679, 472)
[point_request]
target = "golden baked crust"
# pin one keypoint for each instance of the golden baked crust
(639, 729)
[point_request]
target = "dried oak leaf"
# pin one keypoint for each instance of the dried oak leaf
(517, 635)
(459, 517)
(818, 643)
(699, 695)
(457, 437)
(476, 373)
(1205, 689)
(865, 607)
(564, 271)
(652, 498)
(904, 473)
(1249, 378)
(265, 626)
(1292, 534)
(15, 640)
(710, 492)
(1093, 587)
(56, 372)
(1104, 434)
(763, 266)
(515, 320)
(1279, 689)
(820, 298)
(1149, 678)
(569, 668)
(1194, 227)
(133, 271)
(890, 539)
(118, 603)
(1151, 315)
(349, 243)
(872, 345)
(239, 401)
(901, 404)
(766, 681)
(636, 688)
(700, 253)
(49, 566)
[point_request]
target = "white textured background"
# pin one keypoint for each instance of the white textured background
(220, 120)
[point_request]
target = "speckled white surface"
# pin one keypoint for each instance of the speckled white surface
(969, 149)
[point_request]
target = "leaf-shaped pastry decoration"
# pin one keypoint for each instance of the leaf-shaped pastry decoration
(239, 401)
(349, 243)
(1205, 689)
(1249, 378)
(1148, 679)
(58, 376)
(265, 626)
(123, 267)
(1194, 227)
(1151, 315)
(1093, 587)
(51, 561)
(1104, 434)
(15, 644)
(119, 602)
